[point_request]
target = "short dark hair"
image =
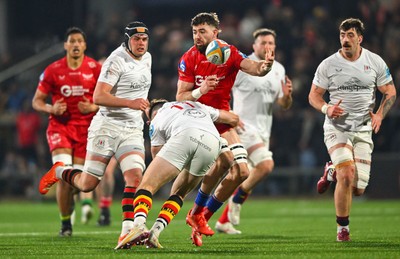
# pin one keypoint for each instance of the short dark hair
(74, 30)
(208, 18)
(352, 23)
(155, 104)
(263, 32)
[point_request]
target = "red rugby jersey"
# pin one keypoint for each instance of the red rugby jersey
(194, 68)
(60, 81)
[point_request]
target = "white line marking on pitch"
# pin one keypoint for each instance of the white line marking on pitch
(47, 233)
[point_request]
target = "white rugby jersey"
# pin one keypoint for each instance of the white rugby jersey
(131, 79)
(355, 83)
(174, 117)
(254, 96)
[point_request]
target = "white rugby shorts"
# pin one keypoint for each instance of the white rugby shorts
(106, 139)
(192, 149)
(362, 144)
(250, 138)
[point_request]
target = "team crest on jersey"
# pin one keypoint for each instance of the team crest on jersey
(367, 69)
(92, 64)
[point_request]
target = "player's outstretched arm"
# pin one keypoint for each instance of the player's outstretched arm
(258, 68)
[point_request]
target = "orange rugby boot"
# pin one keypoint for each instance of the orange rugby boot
(49, 179)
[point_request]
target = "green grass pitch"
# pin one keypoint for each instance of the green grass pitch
(272, 228)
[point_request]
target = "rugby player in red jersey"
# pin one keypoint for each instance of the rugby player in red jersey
(70, 81)
(210, 84)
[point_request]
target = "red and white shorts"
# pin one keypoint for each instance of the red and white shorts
(67, 136)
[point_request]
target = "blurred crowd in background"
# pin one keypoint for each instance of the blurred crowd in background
(307, 33)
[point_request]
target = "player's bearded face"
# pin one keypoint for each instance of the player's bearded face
(262, 43)
(75, 46)
(202, 35)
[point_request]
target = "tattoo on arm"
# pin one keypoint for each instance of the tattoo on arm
(387, 104)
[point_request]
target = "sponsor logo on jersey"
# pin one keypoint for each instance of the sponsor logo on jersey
(142, 84)
(353, 85)
(198, 79)
(61, 77)
(387, 72)
(195, 113)
(182, 66)
(108, 70)
(266, 88)
(75, 90)
(151, 130)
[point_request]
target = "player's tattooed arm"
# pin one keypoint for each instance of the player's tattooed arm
(388, 98)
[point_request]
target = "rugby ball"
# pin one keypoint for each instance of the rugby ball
(218, 52)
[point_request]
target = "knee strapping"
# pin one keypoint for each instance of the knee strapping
(224, 146)
(341, 155)
(131, 162)
(363, 174)
(65, 158)
(78, 166)
(259, 155)
(239, 153)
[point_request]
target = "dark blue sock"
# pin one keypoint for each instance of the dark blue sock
(213, 204)
(201, 199)
(240, 196)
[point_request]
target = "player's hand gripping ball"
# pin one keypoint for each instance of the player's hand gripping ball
(218, 52)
